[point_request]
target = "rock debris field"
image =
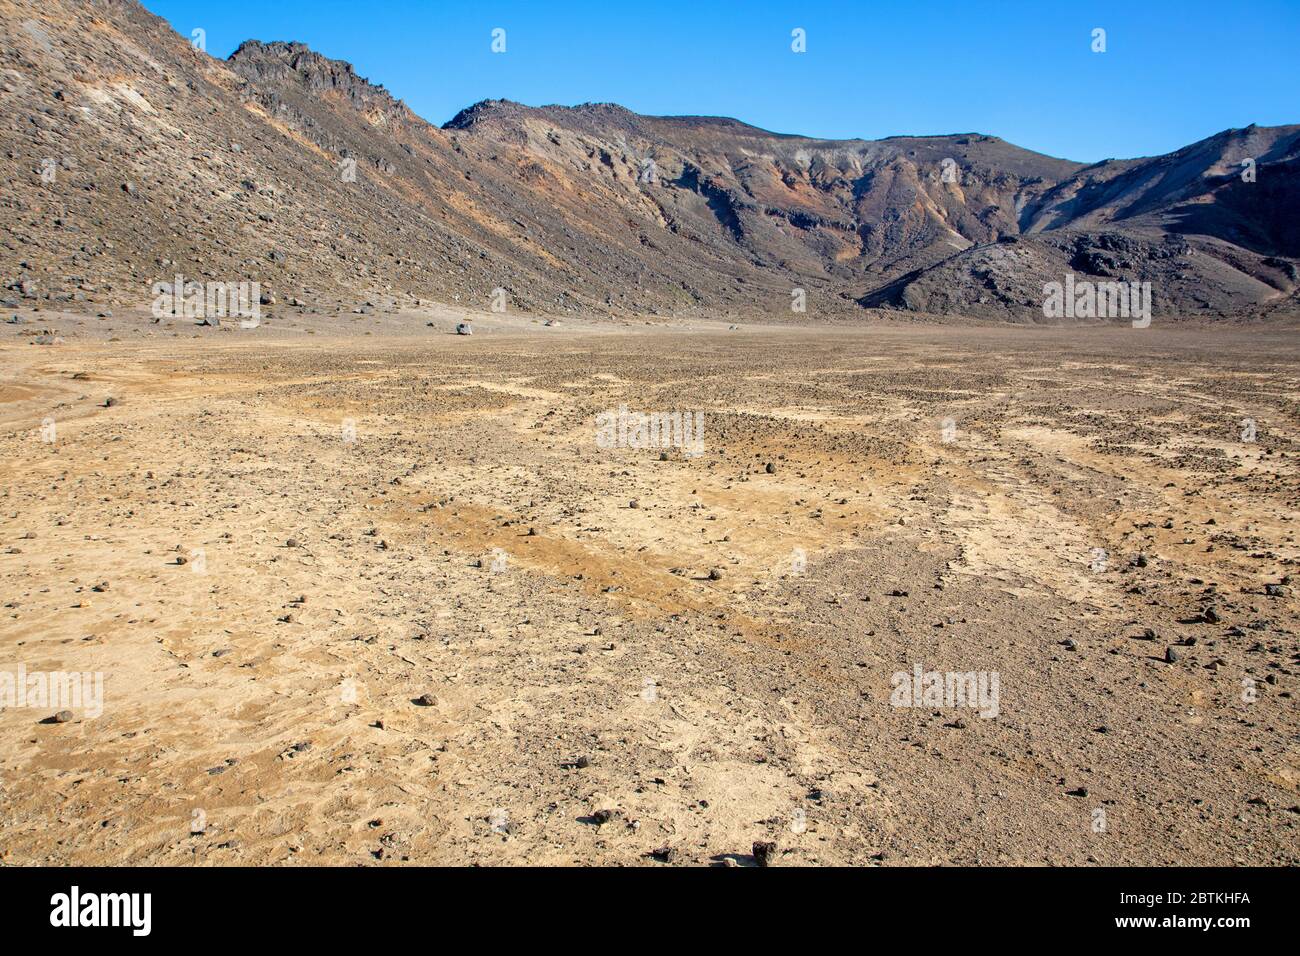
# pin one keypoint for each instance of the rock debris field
(383, 598)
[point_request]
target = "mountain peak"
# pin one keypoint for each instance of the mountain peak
(290, 62)
(483, 110)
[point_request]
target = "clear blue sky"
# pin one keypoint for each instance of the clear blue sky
(1174, 71)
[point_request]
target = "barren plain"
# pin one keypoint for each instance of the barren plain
(366, 592)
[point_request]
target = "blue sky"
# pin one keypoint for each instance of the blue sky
(1174, 71)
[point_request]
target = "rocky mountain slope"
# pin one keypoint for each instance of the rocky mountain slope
(128, 156)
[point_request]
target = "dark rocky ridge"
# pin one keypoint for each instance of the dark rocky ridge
(172, 161)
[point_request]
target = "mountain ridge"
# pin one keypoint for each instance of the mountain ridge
(590, 207)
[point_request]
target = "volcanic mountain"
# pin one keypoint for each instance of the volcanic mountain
(129, 156)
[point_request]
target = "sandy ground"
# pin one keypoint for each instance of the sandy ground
(273, 543)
